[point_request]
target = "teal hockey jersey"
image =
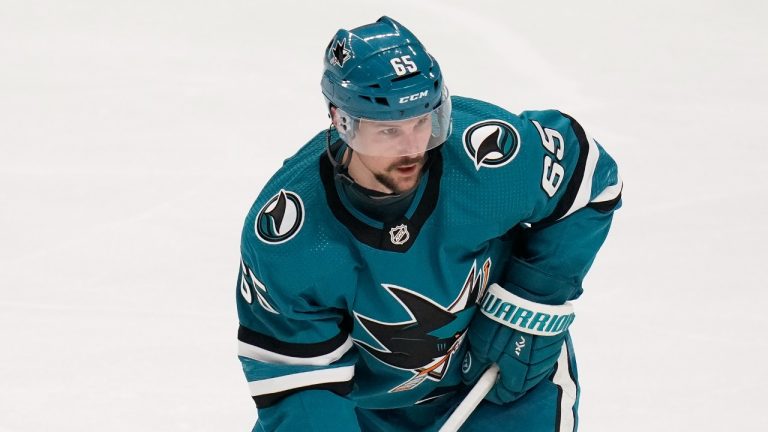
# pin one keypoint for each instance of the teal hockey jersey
(340, 312)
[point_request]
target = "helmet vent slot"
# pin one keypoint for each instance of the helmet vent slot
(374, 86)
(382, 101)
(406, 76)
(366, 98)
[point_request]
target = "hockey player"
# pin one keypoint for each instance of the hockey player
(418, 240)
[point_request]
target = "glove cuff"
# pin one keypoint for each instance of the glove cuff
(524, 315)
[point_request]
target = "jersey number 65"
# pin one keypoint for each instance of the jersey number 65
(553, 173)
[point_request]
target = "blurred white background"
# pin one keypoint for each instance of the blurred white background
(134, 136)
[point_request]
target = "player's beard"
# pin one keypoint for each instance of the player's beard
(397, 182)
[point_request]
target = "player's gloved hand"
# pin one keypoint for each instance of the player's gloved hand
(523, 337)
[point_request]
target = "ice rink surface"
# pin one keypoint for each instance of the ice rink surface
(134, 136)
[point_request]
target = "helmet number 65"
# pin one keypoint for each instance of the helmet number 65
(403, 65)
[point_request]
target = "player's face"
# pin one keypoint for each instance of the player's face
(397, 138)
(395, 173)
(387, 174)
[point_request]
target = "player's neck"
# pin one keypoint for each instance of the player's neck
(386, 208)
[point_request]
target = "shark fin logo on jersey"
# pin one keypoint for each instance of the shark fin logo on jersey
(339, 53)
(491, 143)
(250, 285)
(424, 344)
(281, 218)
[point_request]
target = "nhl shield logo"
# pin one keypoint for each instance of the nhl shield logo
(281, 218)
(491, 143)
(399, 235)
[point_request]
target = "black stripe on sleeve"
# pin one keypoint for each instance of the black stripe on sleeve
(559, 399)
(558, 414)
(267, 400)
(575, 182)
(605, 206)
(277, 346)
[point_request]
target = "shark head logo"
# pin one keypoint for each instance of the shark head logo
(426, 343)
(339, 53)
(491, 143)
(280, 219)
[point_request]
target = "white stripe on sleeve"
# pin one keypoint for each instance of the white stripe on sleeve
(301, 379)
(609, 193)
(563, 380)
(585, 189)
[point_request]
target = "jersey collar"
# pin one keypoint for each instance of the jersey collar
(396, 235)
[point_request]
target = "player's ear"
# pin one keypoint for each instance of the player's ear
(333, 113)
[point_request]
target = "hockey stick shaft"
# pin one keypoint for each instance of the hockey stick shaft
(472, 400)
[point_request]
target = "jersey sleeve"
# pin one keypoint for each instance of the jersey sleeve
(580, 188)
(293, 343)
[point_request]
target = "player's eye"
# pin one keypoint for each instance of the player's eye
(390, 132)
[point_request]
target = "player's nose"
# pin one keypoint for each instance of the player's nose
(410, 144)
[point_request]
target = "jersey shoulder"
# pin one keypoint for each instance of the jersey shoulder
(496, 140)
(533, 161)
(289, 236)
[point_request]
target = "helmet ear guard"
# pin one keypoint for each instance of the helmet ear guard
(345, 124)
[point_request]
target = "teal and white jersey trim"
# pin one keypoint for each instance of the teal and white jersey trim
(610, 193)
(568, 395)
(585, 189)
(301, 379)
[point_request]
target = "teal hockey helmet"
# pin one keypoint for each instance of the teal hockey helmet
(380, 75)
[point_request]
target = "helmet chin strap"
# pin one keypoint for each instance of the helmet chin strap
(340, 170)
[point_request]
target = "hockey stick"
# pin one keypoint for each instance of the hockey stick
(472, 400)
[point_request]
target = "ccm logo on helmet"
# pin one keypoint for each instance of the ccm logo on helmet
(413, 97)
